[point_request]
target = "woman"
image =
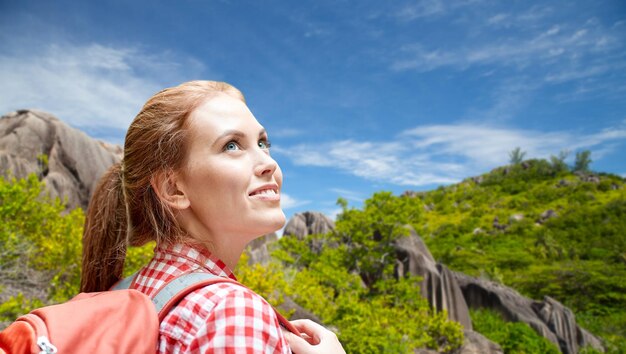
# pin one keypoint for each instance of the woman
(197, 177)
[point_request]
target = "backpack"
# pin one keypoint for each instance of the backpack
(122, 320)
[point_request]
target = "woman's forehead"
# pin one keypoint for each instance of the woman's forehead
(224, 112)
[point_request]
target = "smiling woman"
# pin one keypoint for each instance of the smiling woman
(197, 177)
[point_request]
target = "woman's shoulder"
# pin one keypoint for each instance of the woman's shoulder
(223, 301)
(222, 313)
(227, 290)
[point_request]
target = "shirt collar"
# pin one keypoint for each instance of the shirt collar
(197, 255)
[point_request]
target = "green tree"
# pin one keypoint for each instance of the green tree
(583, 160)
(388, 316)
(558, 162)
(516, 156)
(40, 247)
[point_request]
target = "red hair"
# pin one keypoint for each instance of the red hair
(124, 209)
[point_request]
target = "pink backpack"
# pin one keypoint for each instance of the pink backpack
(119, 321)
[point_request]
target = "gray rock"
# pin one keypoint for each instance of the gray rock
(75, 160)
(547, 215)
(476, 343)
(497, 225)
(478, 179)
(439, 285)
(424, 351)
(587, 177)
(413, 194)
(564, 183)
(548, 318)
(297, 312)
(308, 223)
(586, 339)
(258, 249)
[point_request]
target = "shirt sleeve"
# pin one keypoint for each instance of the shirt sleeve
(240, 322)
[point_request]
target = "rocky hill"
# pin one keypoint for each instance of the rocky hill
(456, 293)
(66, 159)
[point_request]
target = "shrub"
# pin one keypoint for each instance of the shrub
(513, 337)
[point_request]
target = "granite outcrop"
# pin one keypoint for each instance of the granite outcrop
(66, 159)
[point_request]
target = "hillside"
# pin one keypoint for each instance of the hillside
(376, 274)
(534, 226)
(556, 236)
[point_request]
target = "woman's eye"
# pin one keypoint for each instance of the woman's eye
(231, 146)
(264, 144)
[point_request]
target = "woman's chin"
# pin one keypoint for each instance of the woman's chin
(278, 221)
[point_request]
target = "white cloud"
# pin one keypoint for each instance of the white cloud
(387, 162)
(498, 19)
(443, 154)
(484, 145)
(332, 213)
(563, 52)
(86, 84)
(415, 10)
(288, 202)
(420, 9)
(349, 195)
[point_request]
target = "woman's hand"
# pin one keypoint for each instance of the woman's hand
(315, 339)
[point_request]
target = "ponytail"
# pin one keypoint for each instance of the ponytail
(104, 235)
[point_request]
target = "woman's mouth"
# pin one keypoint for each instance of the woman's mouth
(269, 192)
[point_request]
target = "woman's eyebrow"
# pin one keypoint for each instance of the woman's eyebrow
(229, 133)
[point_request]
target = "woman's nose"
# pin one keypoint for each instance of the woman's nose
(265, 165)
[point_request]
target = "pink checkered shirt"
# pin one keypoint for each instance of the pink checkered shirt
(219, 318)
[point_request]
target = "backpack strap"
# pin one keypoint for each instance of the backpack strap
(176, 289)
(125, 283)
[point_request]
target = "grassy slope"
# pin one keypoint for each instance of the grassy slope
(495, 229)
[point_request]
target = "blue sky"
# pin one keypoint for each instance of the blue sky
(357, 96)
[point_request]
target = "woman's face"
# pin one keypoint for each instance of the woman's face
(232, 183)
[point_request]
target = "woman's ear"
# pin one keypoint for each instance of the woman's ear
(165, 185)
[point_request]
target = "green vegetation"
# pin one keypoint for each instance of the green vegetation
(513, 337)
(533, 225)
(516, 156)
(41, 250)
(39, 242)
(384, 316)
(583, 160)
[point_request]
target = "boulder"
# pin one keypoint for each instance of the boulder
(476, 343)
(548, 318)
(564, 183)
(498, 226)
(587, 177)
(258, 250)
(297, 312)
(439, 285)
(547, 215)
(478, 179)
(66, 159)
(308, 223)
